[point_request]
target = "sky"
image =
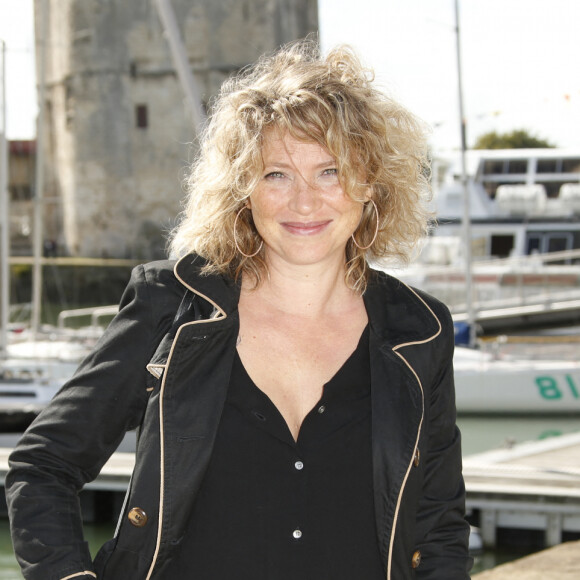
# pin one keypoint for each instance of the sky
(520, 62)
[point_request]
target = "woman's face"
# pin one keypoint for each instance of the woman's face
(299, 207)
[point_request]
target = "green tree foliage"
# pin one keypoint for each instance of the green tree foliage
(517, 139)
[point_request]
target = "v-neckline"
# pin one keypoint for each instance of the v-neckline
(316, 407)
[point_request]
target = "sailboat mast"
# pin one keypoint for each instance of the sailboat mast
(4, 215)
(37, 241)
(466, 201)
(181, 62)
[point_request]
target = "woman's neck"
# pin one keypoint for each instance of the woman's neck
(308, 291)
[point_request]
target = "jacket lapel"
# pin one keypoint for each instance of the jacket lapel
(194, 369)
(400, 321)
(220, 292)
(397, 412)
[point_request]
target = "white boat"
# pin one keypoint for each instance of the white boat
(522, 201)
(524, 208)
(32, 374)
(33, 368)
(486, 384)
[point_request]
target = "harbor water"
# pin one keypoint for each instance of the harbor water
(478, 434)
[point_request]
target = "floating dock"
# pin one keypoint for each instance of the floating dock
(558, 563)
(537, 311)
(532, 486)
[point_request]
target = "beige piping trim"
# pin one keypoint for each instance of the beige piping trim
(162, 444)
(156, 370)
(400, 498)
(220, 310)
(161, 426)
(85, 573)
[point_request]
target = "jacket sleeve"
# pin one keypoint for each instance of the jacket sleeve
(69, 442)
(442, 532)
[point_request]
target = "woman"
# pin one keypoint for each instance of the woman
(295, 407)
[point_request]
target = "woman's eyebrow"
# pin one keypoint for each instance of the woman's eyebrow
(286, 165)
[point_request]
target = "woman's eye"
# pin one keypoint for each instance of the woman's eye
(274, 175)
(332, 172)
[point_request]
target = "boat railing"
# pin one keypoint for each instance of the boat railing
(538, 301)
(537, 258)
(536, 281)
(96, 315)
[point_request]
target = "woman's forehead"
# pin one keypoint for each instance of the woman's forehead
(279, 142)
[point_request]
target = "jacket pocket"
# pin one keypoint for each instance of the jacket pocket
(113, 563)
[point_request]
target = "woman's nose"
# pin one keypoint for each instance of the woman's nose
(305, 197)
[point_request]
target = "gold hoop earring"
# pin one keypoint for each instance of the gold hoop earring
(376, 230)
(236, 237)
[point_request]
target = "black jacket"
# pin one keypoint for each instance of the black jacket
(171, 382)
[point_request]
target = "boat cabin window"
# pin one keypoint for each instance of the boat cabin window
(558, 242)
(501, 245)
(571, 165)
(567, 165)
(543, 242)
(503, 166)
(547, 165)
(493, 166)
(533, 244)
(517, 166)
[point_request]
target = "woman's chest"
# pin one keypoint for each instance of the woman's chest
(291, 365)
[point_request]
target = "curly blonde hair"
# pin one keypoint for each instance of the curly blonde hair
(329, 100)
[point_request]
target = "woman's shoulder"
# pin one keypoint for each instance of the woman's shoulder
(392, 284)
(151, 280)
(171, 272)
(174, 277)
(402, 297)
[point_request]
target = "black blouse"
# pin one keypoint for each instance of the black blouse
(271, 508)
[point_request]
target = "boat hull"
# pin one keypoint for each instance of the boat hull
(487, 385)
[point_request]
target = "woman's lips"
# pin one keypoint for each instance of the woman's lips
(305, 229)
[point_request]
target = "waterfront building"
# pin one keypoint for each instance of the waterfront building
(21, 163)
(117, 137)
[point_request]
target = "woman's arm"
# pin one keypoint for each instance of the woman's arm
(442, 532)
(69, 442)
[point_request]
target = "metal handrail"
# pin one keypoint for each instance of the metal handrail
(95, 313)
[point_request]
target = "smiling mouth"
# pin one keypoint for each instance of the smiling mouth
(305, 229)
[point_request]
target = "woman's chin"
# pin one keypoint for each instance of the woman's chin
(307, 256)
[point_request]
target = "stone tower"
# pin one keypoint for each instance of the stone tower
(117, 136)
